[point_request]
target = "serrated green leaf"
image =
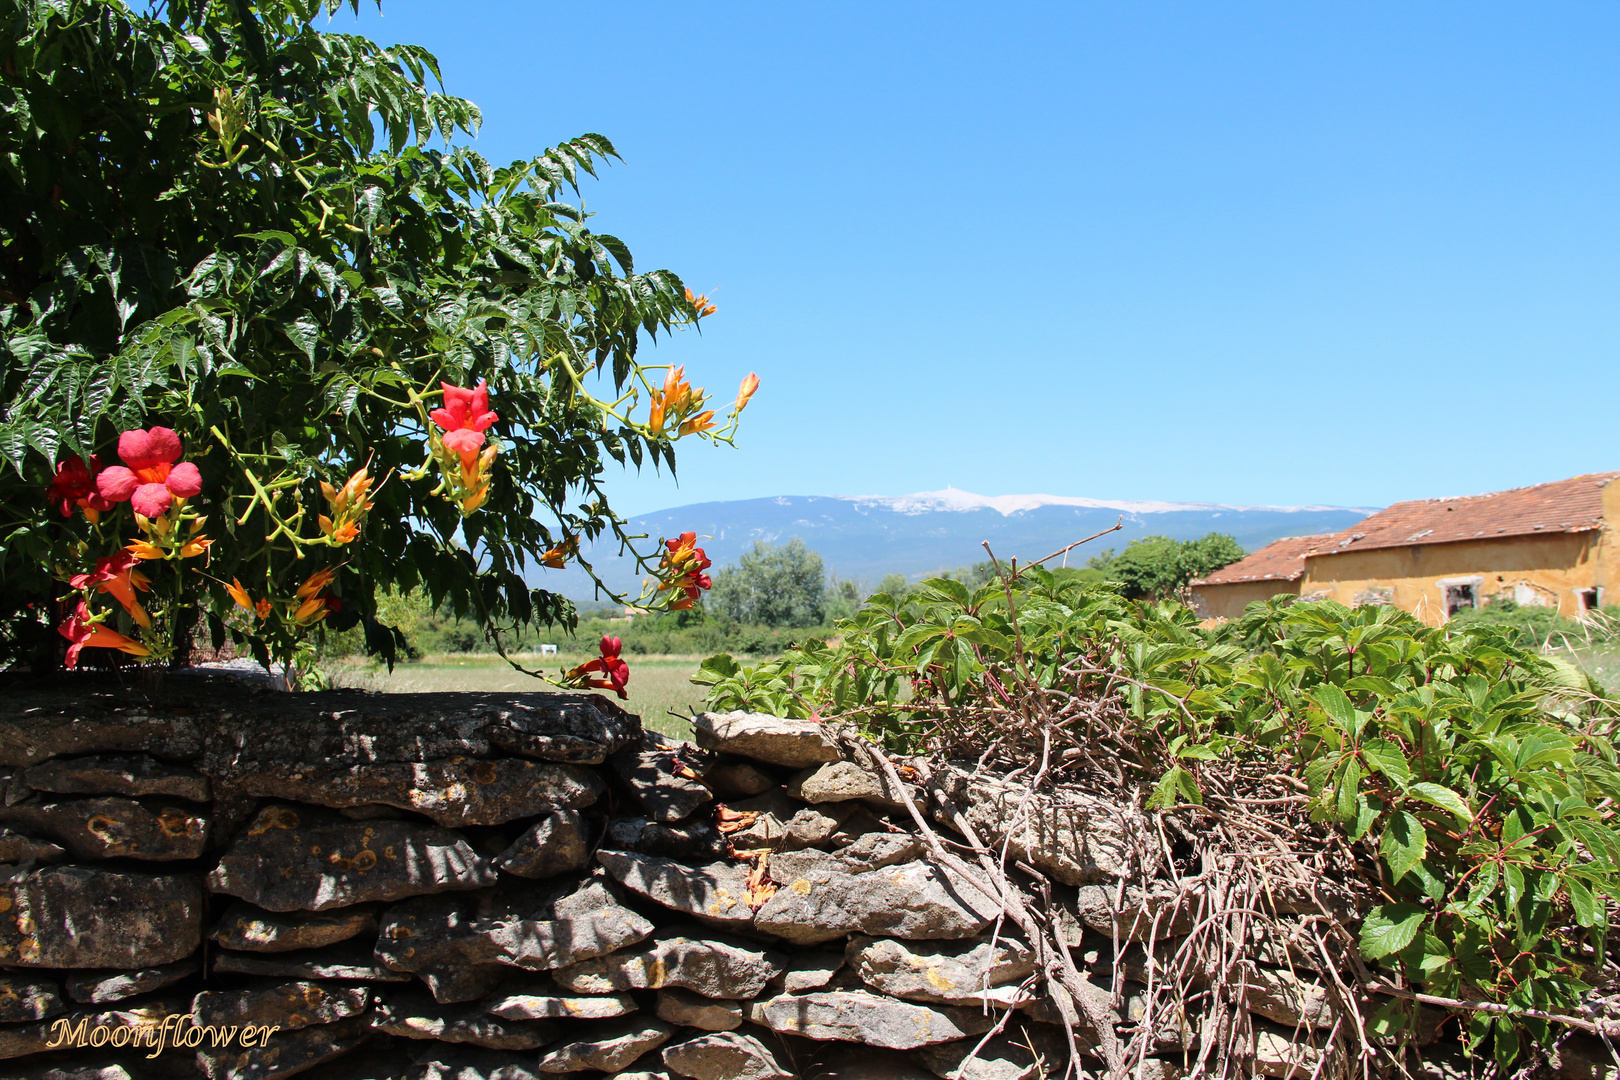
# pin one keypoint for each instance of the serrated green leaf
(1443, 797)
(1389, 928)
(1403, 845)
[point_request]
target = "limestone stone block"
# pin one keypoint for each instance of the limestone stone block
(737, 780)
(296, 859)
(288, 1005)
(346, 960)
(117, 774)
(106, 987)
(664, 782)
(686, 1009)
(796, 744)
(972, 973)
(115, 827)
(553, 845)
(80, 917)
(915, 901)
(453, 793)
(28, 997)
(870, 1019)
(725, 1056)
(714, 965)
(605, 1045)
(288, 1052)
(415, 1015)
(716, 891)
(252, 929)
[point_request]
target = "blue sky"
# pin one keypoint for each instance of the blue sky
(1245, 253)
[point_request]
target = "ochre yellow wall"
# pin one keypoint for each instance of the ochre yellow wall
(1560, 562)
(1228, 601)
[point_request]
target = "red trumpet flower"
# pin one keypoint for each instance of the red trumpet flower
(464, 418)
(116, 574)
(75, 486)
(153, 479)
(609, 664)
(84, 634)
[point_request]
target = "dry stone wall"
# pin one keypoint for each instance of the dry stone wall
(240, 884)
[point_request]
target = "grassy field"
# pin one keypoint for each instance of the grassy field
(658, 684)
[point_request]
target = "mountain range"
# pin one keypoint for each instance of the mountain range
(867, 536)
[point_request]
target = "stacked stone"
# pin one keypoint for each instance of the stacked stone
(506, 887)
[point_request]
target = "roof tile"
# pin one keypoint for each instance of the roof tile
(1280, 560)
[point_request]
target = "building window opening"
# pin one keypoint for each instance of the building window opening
(1460, 597)
(1590, 599)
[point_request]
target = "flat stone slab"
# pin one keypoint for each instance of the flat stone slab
(664, 781)
(453, 793)
(553, 845)
(916, 901)
(606, 1045)
(870, 1019)
(415, 1015)
(117, 774)
(956, 974)
(351, 960)
(797, 744)
(452, 1062)
(1016, 1054)
(293, 859)
(714, 965)
(79, 917)
(737, 780)
(686, 1009)
(553, 1003)
(717, 891)
(106, 987)
(449, 934)
(727, 1056)
(16, 847)
(26, 997)
(252, 929)
(27, 1039)
(115, 827)
(289, 1052)
(92, 716)
(835, 781)
(288, 1005)
(695, 840)
(344, 728)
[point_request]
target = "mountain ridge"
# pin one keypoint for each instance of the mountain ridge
(866, 536)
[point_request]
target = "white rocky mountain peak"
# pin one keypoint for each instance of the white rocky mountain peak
(952, 499)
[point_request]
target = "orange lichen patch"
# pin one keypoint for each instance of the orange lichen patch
(276, 817)
(178, 823)
(484, 772)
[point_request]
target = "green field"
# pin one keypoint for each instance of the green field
(658, 684)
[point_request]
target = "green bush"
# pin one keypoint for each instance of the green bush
(1470, 777)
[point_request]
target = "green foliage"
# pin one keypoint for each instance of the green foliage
(1532, 627)
(1157, 566)
(780, 586)
(1474, 776)
(226, 222)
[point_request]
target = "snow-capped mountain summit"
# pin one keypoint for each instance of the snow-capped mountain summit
(867, 536)
(950, 498)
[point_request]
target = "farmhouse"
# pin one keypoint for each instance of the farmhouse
(1552, 545)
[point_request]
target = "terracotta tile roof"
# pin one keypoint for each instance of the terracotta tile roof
(1564, 506)
(1280, 560)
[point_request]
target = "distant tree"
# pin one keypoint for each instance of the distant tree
(1157, 566)
(844, 598)
(1208, 554)
(773, 586)
(893, 584)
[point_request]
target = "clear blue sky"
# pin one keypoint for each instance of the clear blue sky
(1251, 253)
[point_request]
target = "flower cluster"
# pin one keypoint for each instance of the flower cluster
(700, 304)
(677, 405)
(463, 457)
(609, 664)
(348, 504)
(303, 609)
(156, 484)
(681, 569)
